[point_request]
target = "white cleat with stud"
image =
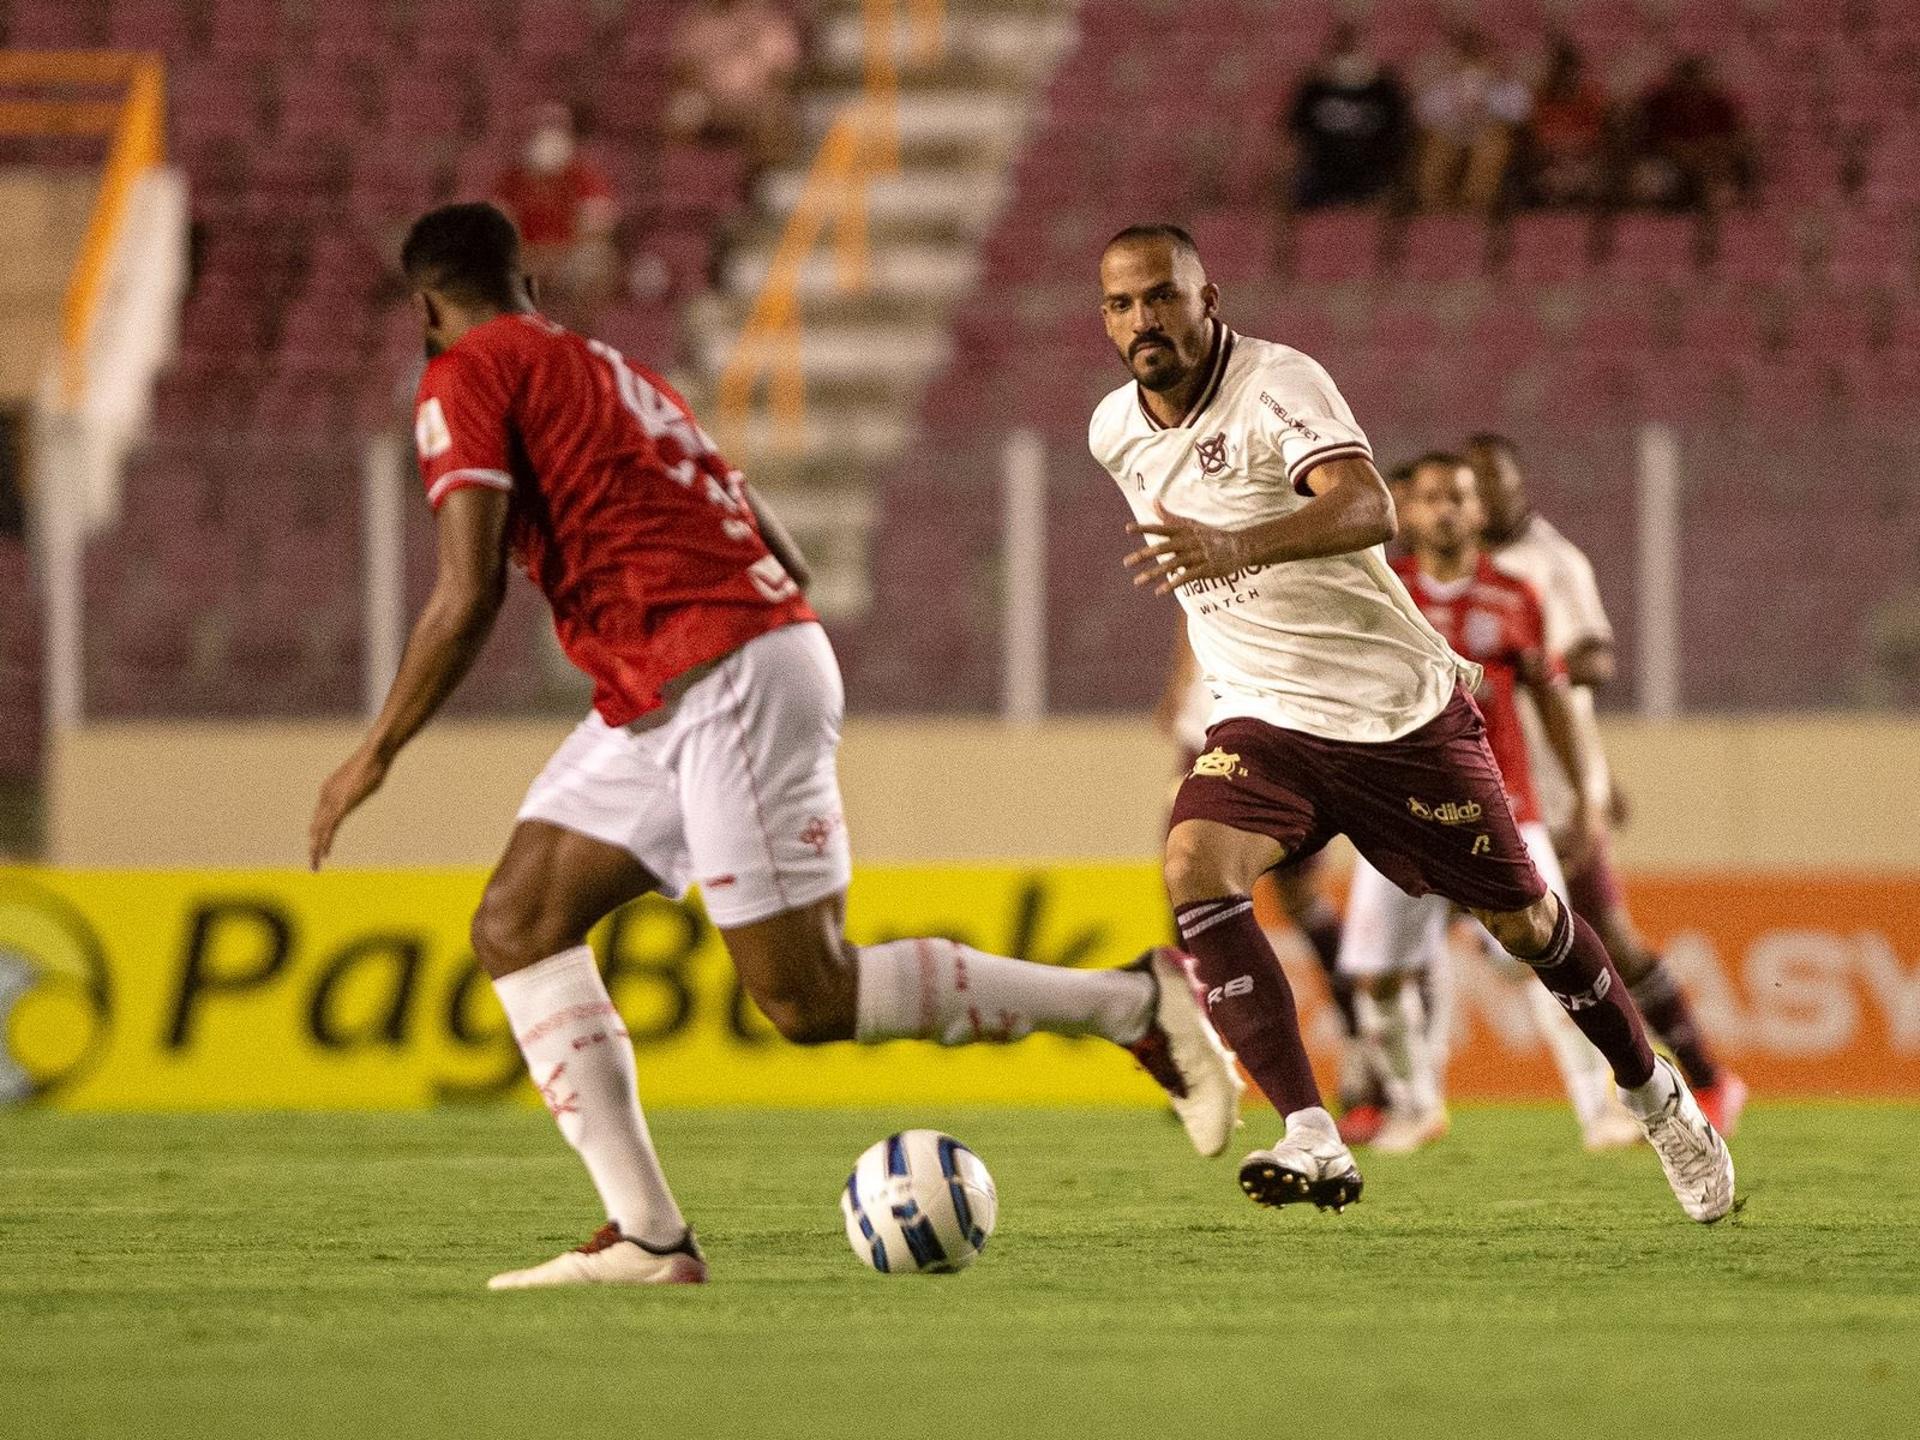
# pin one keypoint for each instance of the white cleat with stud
(611, 1258)
(1698, 1164)
(1305, 1166)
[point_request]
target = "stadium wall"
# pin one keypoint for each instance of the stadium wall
(1778, 794)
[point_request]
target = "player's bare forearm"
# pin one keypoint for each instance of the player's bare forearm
(779, 540)
(1591, 663)
(1570, 742)
(447, 637)
(1351, 510)
(446, 640)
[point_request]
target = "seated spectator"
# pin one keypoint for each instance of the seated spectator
(733, 68)
(1568, 145)
(1349, 127)
(1692, 151)
(1469, 120)
(564, 206)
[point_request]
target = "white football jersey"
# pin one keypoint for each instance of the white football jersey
(1333, 647)
(1562, 576)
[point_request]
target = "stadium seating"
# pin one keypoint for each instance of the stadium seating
(311, 131)
(1770, 335)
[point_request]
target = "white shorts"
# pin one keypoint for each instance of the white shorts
(1389, 932)
(735, 790)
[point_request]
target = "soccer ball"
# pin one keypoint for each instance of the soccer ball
(919, 1202)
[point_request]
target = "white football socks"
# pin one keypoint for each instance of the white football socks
(578, 1053)
(1394, 1031)
(941, 990)
(1644, 1102)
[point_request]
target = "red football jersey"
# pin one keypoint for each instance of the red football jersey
(622, 512)
(1494, 620)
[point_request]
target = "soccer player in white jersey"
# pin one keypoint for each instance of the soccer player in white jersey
(1338, 708)
(708, 757)
(1526, 544)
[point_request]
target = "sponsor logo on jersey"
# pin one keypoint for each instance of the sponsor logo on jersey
(430, 433)
(1288, 418)
(1218, 763)
(1212, 454)
(1447, 812)
(1481, 633)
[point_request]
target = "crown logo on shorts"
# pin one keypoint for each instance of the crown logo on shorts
(1218, 762)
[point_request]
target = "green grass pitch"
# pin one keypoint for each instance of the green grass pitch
(213, 1276)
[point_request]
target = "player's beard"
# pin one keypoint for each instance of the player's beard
(1163, 379)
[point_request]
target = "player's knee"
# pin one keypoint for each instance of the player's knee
(509, 934)
(808, 1018)
(1194, 870)
(1523, 934)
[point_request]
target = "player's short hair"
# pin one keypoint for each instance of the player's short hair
(1174, 235)
(469, 252)
(1494, 441)
(1402, 473)
(1441, 459)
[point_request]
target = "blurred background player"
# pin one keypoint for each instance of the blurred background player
(1340, 709)
(1525, 544)
(709, 755)
(1493, 620)
(1181, 719)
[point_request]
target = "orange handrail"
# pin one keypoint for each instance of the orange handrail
(862, 143)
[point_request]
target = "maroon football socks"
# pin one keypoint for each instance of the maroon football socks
(1575, 968)
(1248, 998)
(1663, 1005)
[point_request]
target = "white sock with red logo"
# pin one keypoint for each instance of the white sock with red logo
(581, 1060)
(945, 991)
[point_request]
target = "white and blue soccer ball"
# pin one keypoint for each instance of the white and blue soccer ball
(919, 1203)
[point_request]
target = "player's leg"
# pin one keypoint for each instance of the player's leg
(1604, 1122)
(1461, 840)
(1596, 893)
(1297, 888)
(573, 858)
(754, 757)
(1389, 938)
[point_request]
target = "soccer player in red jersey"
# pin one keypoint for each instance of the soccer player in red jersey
(1338, 708)
(1494, 620)
(708, 757)
(1526, 544)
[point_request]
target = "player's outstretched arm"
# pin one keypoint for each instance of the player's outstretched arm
(446, 639)
(1577, 749)
(1351, 510)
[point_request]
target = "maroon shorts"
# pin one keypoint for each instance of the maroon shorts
(1428, 810)
(1595, 887)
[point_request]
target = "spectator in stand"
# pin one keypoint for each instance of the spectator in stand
(565, 208)
(733, 68)
(1470, 118)
(1692, 150)
(1349, 124)
(1568, 145)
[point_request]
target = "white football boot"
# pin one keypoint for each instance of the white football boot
(1305, 1165)
(1182, 1052)
(1405, 1132)
(1698, 1165)
(611, 1258)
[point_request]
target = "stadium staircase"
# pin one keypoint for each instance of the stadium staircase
(868, 354)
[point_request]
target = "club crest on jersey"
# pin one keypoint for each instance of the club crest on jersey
(1447, 812)
(1481, 633)
(1212, 454)
(1218, 763)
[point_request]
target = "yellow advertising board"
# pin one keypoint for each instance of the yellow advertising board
(275, 989)
(217, 990)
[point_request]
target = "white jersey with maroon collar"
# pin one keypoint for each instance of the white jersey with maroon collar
(1562, 578)
(1332, 647)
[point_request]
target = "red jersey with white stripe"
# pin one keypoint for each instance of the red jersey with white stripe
(1494, 620)
(622, 512)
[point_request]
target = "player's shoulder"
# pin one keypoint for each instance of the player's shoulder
(1496, 580)
(1113, 423)
(1279, 382)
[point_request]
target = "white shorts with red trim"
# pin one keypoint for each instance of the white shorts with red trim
(1389, 932)
(734, 790)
